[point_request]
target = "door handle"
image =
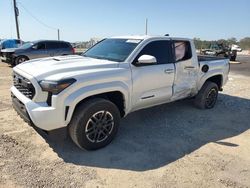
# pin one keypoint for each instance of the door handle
(189, 67)
(169, 71)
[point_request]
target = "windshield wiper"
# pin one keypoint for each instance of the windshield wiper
(106, 58)
(95, 57)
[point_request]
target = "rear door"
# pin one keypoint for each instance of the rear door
(53, 48)
(186, 66)
(152, 84)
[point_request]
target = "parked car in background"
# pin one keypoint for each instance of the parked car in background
(119, 75)
(9, 45)
(37, 49)
(234, 49)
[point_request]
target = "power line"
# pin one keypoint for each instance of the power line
(35, 18)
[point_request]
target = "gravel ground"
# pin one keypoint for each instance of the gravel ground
(173, 145)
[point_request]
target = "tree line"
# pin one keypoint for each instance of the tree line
(203, 44)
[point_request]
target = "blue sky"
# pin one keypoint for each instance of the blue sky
(80, 20)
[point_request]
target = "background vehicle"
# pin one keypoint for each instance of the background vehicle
(9, 45)
(234, 49)
(219, 49)
(37, 49)
(90, 93)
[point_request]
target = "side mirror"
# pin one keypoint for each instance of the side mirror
(147, 59)
(34, 47)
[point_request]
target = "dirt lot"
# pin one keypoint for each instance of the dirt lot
(173, 145)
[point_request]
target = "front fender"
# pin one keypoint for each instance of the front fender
(74, 98)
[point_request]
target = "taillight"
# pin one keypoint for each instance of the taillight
(73, 50)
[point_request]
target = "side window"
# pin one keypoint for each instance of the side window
(41, 46)
(53, 45)
(19, 41)
(64, 45)
(161, 50)
(182, 50)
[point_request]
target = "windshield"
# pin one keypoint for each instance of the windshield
(112, 49)
(26, 45)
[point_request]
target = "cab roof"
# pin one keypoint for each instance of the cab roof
(143, 37)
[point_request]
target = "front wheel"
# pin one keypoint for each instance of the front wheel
(94, 124)
(207, 96)
(20, 59)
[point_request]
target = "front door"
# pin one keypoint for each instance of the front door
(152, 84)
(38, 51)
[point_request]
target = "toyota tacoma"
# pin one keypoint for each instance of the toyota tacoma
(89, 93)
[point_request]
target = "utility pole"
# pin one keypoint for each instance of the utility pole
(16, 11)
(146, 26)
(58, 34)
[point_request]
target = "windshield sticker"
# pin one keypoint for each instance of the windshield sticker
(133, 41)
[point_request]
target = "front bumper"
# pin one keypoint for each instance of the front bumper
(20, 109)
(3, 59)
(7, 57)
(39, 114)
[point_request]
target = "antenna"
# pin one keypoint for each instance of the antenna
(146, 32)
(58, 34)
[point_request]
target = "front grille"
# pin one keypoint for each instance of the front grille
(23, 85)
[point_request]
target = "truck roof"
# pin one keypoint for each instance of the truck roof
(143, 37)
(36, 41)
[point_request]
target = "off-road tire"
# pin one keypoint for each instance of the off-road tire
(201, 99)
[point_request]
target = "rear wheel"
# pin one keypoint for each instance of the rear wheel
(233, 56)
(207, 96)
(94, 124)
(20, 59)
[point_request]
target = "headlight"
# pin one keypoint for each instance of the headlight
(56, 87)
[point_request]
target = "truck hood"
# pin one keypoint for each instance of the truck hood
(55, 68)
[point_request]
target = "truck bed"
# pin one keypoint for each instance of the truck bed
(209, 58)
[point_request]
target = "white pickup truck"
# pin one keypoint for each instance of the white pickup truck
(89, 93)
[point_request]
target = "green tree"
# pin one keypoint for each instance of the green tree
(232, 40)
(245, 43)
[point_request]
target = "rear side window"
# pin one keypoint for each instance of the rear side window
(64, 45)
(161, 50)
(182, 50)
(18, 41)
(53, 45)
